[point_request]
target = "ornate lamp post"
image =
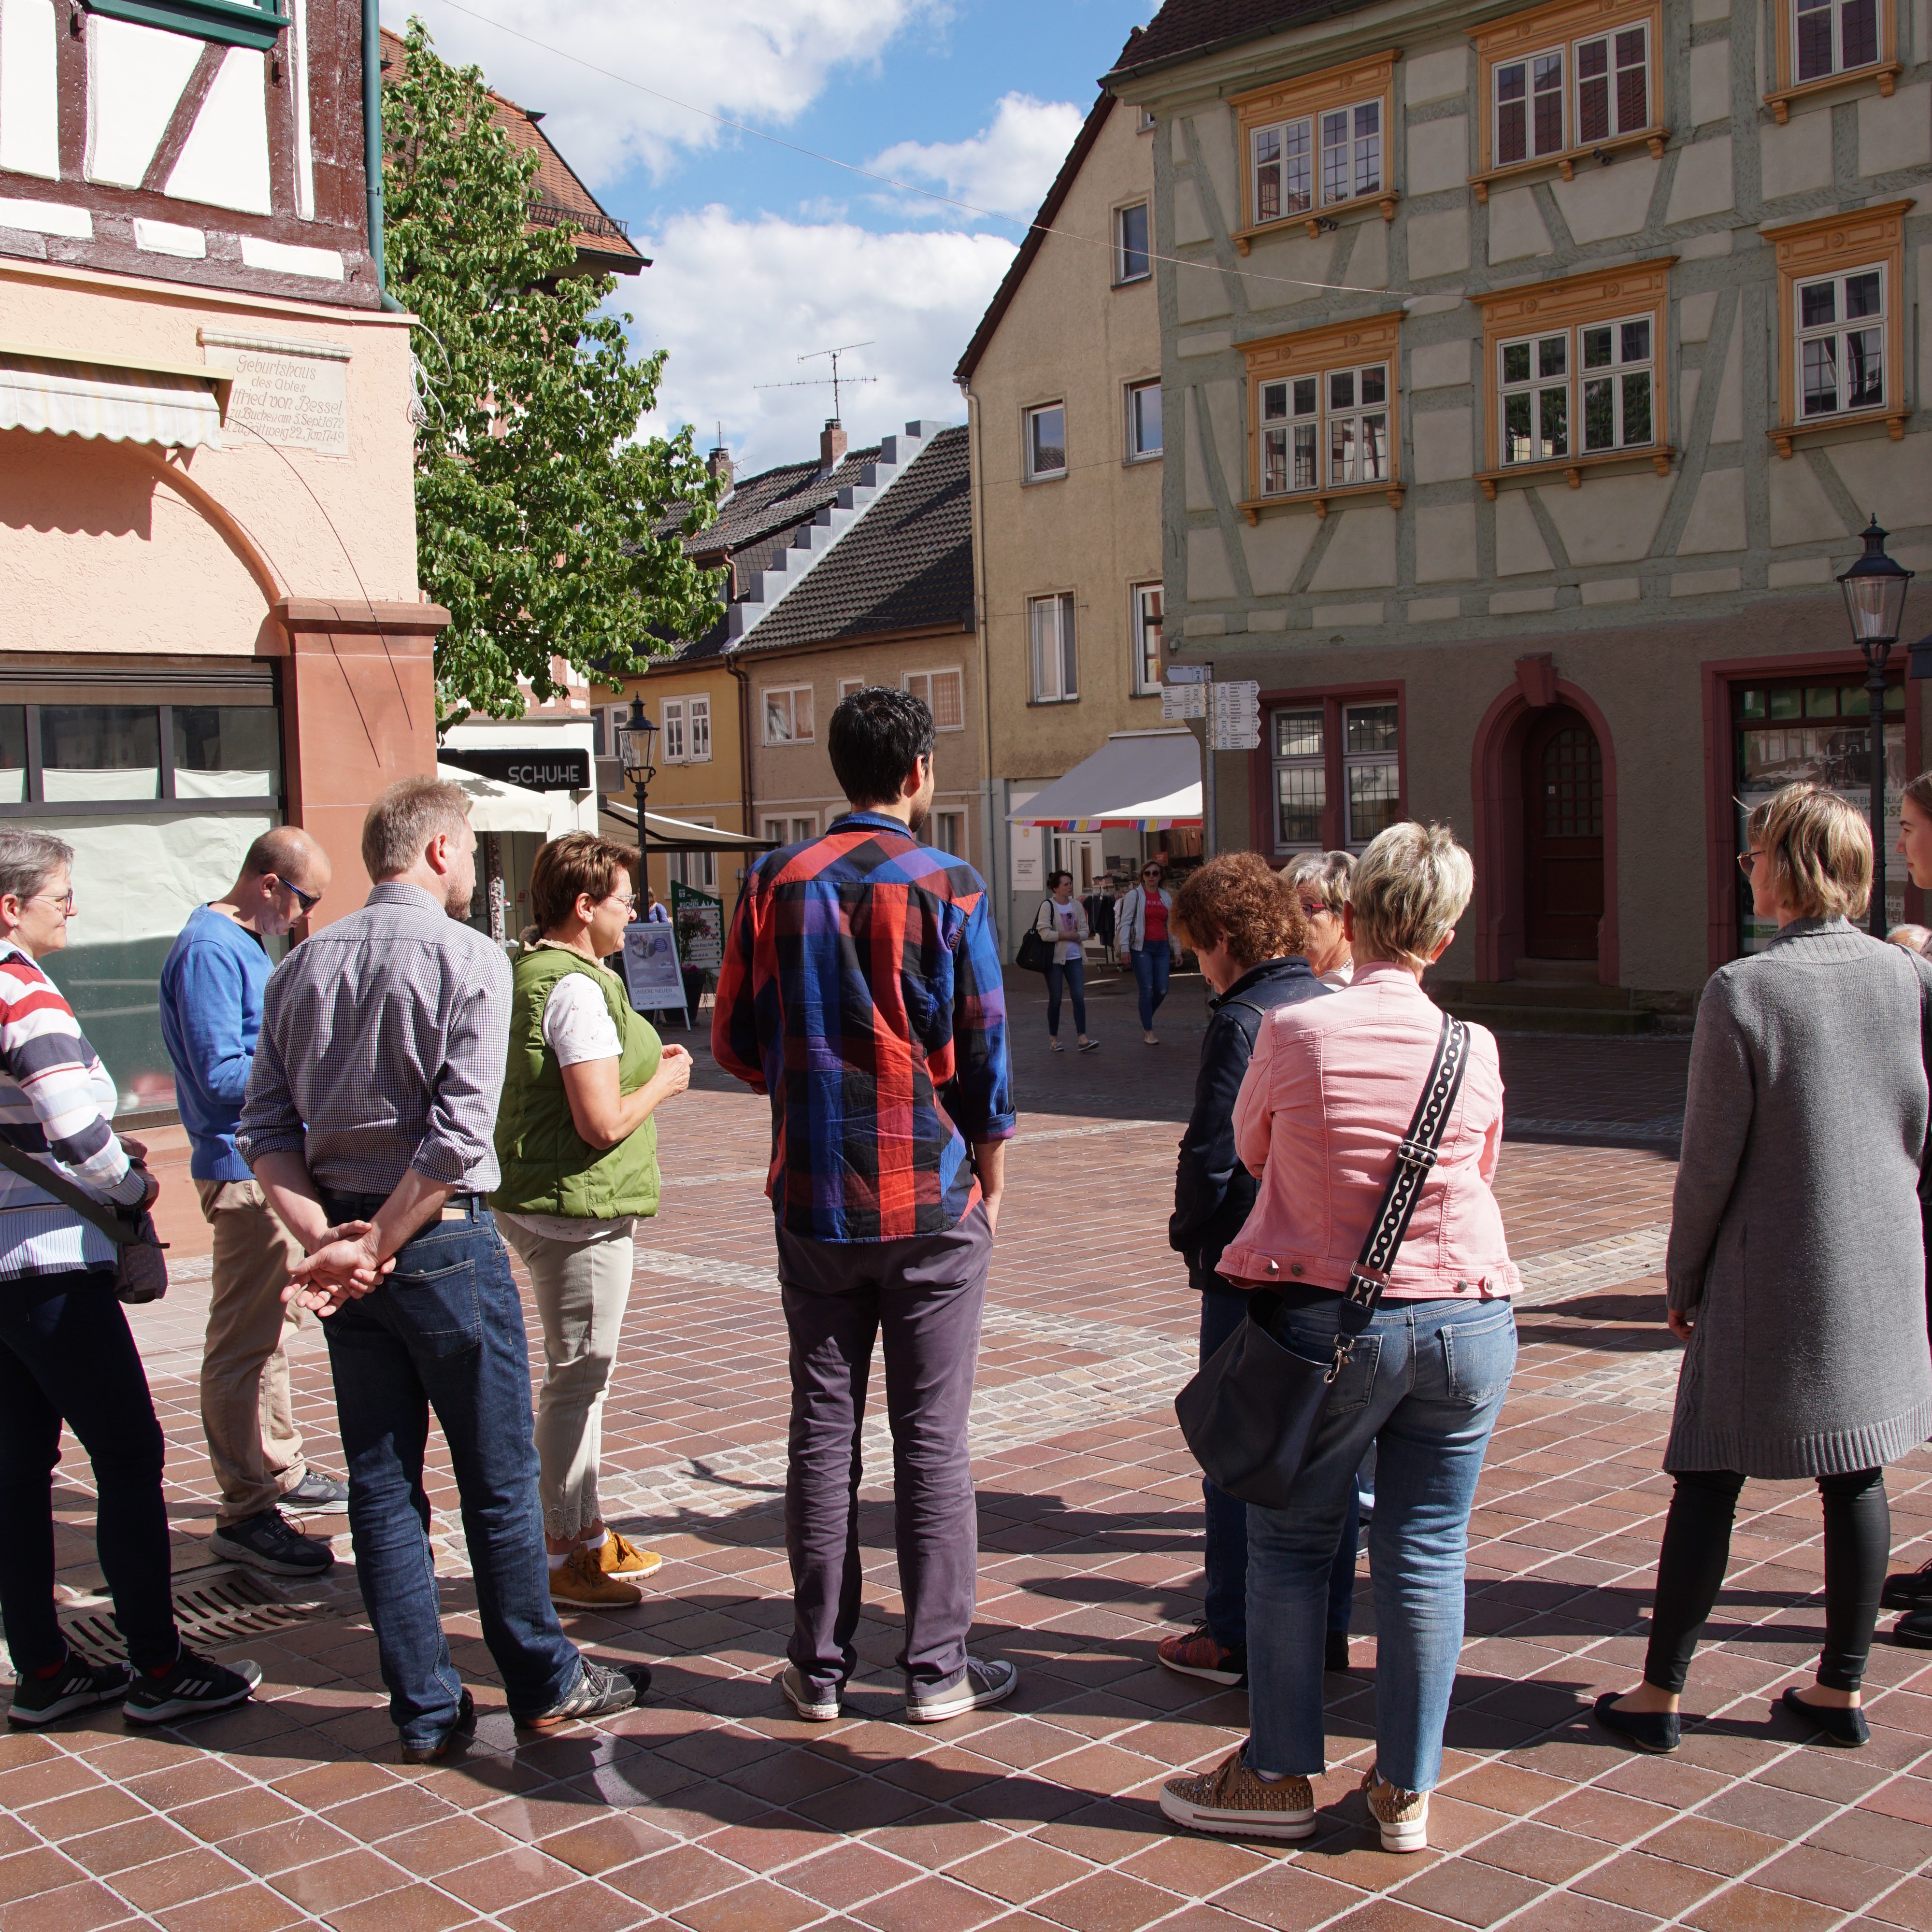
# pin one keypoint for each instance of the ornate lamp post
(637, 747)
(1874, 589)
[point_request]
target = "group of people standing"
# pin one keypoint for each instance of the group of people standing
(375, 1116)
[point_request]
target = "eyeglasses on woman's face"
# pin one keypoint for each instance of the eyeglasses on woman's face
(1317, 909)
(61, 902)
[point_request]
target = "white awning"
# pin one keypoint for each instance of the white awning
(1145, 780)
(664, 831)
(496, 807)
(178, 408)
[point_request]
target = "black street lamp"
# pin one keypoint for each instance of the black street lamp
(637, 747)
(1874, 589)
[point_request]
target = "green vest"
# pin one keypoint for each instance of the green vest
(548, 1167)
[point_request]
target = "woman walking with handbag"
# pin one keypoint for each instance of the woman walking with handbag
(66, 1353)
(576, 1140)
(1796, 1268)
(1062, 924)
(1422, 1351)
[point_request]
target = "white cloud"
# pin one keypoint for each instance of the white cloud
(1006, 168)
(738, 301)
(750, 60)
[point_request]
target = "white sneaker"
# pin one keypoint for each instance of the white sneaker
(815, 1707)
(1402, 1815)
(981, 1683)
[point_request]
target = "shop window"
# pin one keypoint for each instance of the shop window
(227, 751)
(1819, 42)
(1575, 378)
(1315, 143)
(1324, 415)
(234, 23)
(99, 751)
(1816, 729)
(12, 753)
(944, 694)
(1046, 442)
(1055, 662)
(787, 715)
(1147, 620)
(1337, 772)
(1562, 85)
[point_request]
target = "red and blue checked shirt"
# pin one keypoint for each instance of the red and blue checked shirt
(861, 990)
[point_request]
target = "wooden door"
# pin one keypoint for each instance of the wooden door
(1563, 837)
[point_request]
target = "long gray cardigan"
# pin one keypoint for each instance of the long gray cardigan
(1795, 1235)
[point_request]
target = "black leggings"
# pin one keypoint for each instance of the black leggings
(1697, 1545)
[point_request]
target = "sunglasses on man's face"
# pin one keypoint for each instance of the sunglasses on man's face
(308, 901)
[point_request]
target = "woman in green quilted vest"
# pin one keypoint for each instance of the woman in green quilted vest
(577, 1139)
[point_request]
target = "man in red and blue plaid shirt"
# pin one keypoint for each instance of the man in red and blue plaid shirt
(861, 991)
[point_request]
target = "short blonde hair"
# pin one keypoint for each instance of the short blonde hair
(1329, 873)
(1411, 886)
(1820, 850)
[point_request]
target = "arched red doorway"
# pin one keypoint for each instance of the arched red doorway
(1563, 836)
(1540, 706)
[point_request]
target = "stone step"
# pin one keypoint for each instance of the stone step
(1595, 1021)
(1526, 993)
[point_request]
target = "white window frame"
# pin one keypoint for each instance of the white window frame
(1610, 39)
(1532, 92)
(1316, 429)
(804, 825)
(1542, 382)
(1029, 441)
(671, 731)
(706, 864)
(957, 673)
(1315, 761)
(1836, 10)
(1388, 757)
(791, 692)
(1124, 274)
(1146, 124)
(935, 833)
(1054, 660)
(700, 751)
(847, 685)
(1146, 658)
(1293, 153)
(1135, 423)
(1341, 130)
(1578, 378)
(1838, 332)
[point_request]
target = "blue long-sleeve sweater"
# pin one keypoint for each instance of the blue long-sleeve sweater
(211, 1015)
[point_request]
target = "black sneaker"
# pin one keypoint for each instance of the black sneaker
(75, 1686)
(270, 1542)
(601, 1690)
(191, 1687)
(463, 1725)
(316, 1491)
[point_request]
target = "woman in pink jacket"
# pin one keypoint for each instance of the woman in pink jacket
(1331, 1090)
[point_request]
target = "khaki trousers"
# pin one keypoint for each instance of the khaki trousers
(245, 1411)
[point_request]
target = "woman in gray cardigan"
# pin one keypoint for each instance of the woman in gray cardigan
(1796, 1269)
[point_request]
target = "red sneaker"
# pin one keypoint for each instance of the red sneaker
(1196, 1654)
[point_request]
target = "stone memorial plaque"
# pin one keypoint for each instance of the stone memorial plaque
(284, 395)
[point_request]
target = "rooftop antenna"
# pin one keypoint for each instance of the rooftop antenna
(820, 382)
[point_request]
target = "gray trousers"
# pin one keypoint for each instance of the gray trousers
(926, 1293)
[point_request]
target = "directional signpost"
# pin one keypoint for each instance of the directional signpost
(1234, 716)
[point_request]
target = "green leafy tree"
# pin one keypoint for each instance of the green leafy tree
(538, 506)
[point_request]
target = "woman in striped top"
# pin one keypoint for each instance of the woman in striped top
(66, 1353)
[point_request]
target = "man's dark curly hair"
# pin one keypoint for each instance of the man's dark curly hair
(1241, 899)
(875, 737)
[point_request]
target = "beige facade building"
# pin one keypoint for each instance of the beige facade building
(1063, 383)
(1530, 374)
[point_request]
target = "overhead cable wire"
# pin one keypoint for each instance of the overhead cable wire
(887, 181)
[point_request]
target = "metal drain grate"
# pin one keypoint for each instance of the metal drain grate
(209, 1612)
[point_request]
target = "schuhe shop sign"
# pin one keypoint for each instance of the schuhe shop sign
(560, 770)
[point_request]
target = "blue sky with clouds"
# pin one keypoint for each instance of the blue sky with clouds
(762, 253)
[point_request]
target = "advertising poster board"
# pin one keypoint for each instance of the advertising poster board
(698, 918)
(651, 976)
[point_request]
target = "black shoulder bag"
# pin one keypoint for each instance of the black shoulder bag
(1253, 1409)
(141, 1268)
(1034, 955)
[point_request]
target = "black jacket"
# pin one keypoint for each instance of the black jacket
(1212, 1191)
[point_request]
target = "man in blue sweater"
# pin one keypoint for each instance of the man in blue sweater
(211, 1013)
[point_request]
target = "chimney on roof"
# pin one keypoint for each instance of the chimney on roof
(718, 463)
(831, 444)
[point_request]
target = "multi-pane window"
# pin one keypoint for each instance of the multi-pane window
(1131, 261)
(672, 750)
(1146, 637)
(1055, 667)
(787, 715)
(1529, 107)
(1342, 411)
(1301, 777)
(1351, 152)
(1371, 771)
(1537, 379)
(1284, 176)
(1343, 749)
(1612, 85)
(942, 691)
(1841, 344)
(1283, 158)
(1831, 36)
(1143, 421)
(1047, 441)
(700, 709)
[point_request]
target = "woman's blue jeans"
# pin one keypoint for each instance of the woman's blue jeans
(1150, 975)
(1424, 1383)
(1074, 971)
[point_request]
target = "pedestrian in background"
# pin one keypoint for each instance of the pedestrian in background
(1140, 922)
(211, 1010)
(369, 1121)
(67, 1355)
(861, 990)
(576, 1138)
(1326, 1103)
(1795, 1269)
(1062, 922)
(1321, 880)
(1245, 926)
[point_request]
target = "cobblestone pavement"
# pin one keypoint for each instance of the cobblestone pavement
(711, 1808)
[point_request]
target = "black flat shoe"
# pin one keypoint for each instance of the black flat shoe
(1837, 1724)
(1907, 1589)
(1914, 1631)
(1656, 1732)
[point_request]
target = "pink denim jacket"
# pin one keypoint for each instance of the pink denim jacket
(1332, 1088)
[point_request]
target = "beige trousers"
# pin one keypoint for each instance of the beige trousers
(581, 1288)
(245, 1411)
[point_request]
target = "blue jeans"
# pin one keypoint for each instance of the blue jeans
(1074, 972)
(1226, 1608)
(1424, 1383)
(1150, 975)
(445, 1331)
(66, 1354)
